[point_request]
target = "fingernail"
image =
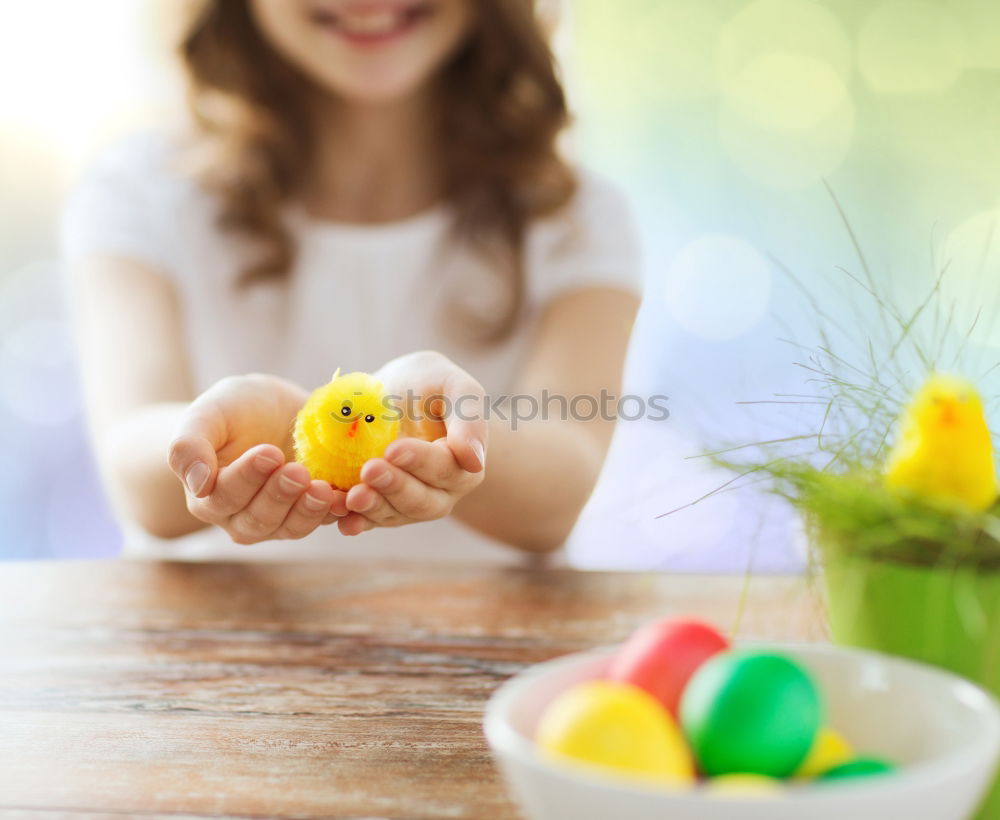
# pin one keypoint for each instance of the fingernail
(479, 450)
(380, 480)
(196, 476)
(316, 504)
(401, 457)
(290, 485)
(264, 463)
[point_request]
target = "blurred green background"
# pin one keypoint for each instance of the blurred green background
(724, 121)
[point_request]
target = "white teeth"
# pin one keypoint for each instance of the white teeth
(381, 22)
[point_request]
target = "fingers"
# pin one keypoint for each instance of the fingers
(238, 483)
(392, 496)
(434, 463)
(309, 512)
(264, 513)
(467, 428)
(425, 490)
(369, 503)
(191, 455)
(259, 497)
(338, 506)
(354, 524)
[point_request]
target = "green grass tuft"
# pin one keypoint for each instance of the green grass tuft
(860, 380)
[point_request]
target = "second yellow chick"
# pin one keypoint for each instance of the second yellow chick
(342, 425)
(944, 452)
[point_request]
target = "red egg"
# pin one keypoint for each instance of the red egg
(661, 657)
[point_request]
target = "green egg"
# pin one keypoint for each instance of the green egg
(751, 712)
(859, 767)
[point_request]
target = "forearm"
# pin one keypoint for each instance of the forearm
(140, 483)
(537, 480)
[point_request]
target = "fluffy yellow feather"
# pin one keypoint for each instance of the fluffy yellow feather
(342, 425)
(944, 453)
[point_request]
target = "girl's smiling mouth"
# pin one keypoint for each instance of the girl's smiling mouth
(371, 23)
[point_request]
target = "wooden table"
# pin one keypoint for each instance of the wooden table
(305, 690)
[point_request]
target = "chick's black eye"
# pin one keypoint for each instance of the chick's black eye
(345, 410)
(369, 418)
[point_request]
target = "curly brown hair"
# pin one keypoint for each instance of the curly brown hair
(501, 108)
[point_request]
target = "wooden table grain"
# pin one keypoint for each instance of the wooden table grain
(340, 690)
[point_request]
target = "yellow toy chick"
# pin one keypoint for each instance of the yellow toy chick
(944, 452)
(342, 425)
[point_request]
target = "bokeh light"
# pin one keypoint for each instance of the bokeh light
(783, 26)
(789, 159)
(787, 120)
(971, 285)
(677, 37)
(786, 91)
(911, 47)
(981, 25)
(718, 287)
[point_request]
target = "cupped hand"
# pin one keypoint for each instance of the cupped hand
(442, 455)
(233, 453)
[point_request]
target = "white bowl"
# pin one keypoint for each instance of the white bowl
(943, 731)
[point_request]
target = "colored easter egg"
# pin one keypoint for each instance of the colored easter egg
(858, 767)
(829, 750)
(661, 657)
(743, 785)
(616, 726)
(750, 712)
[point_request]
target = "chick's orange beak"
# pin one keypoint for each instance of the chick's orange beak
(352, 431)
(949, 414)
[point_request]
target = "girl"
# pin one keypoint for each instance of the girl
(364, 184)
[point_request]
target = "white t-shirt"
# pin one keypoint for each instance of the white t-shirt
(358, 296)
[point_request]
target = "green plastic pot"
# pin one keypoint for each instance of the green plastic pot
(948, 616)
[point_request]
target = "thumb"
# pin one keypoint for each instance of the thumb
(465, 423)
(192, 454)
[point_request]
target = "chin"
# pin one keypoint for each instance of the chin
(374, 91)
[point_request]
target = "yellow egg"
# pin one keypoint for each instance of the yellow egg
(617, 726)
(828, 750)
(743, 786)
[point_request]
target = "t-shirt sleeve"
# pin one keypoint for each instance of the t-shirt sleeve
(592, 241)
(121, 206)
